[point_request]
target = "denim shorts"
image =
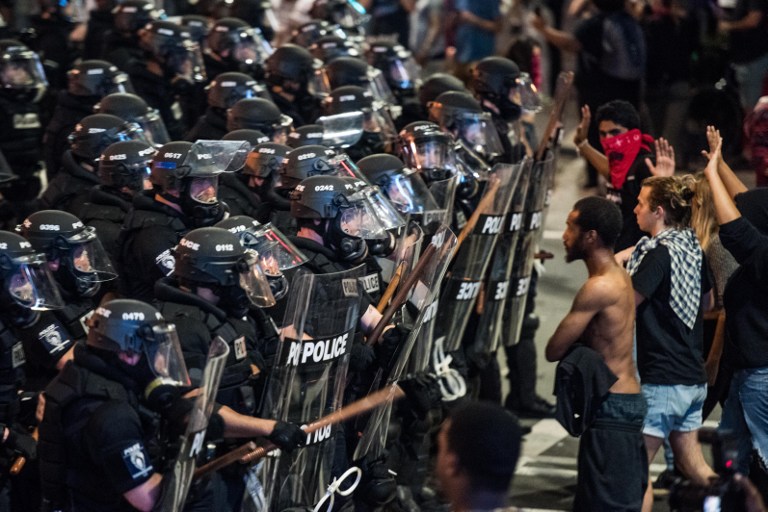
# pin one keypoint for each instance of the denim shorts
(673, 407)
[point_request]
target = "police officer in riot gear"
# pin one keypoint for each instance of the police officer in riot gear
(22, 85)
(258, 14)
(401, 72)
(80, 265)
(26, 287)
(354, 71)
(377, 129)
(225, 90)
(432, 87)
(260, 114)
(309, 134)
(495, 83)
(95, 435)
(233, 187)
(288, 72)
(168, 75)
(199, 27)
(123, 172)
(300, 163)
(70, 188)
(185, 180)
(329, 47)
(262, 166)
(87, 83)
(133, 109)
(121, 44)
(213, 286)
(233, 45)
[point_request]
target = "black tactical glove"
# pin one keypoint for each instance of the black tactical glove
(21, 442)
(377, 485)
(287, 436)
(361, 358)
(388, 346)
(422, 391)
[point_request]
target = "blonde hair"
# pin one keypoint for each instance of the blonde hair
(674, 194)
(703, 220)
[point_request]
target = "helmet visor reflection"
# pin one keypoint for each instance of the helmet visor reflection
(32, 286)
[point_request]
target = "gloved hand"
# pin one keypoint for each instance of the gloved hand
(388, 346)
(287, 436)
(377, 485)
(422, 391)
(21, 442)
(361, 358)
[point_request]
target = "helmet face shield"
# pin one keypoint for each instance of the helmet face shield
(525, 94)
(429, 154)
(341, 130)
(164, 355)
(154, 128)
(405, 73)
(21, 70)
(370, 215)
(379, 87)
(276, 252)
(31, 284)
(409, 194)
(253, 282)
(479, 132)
(89, 259)
(204, 189)
(186, 61)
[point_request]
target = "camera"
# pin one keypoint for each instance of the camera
(720, 495)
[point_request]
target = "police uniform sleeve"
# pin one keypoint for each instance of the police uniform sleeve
(115, 440)
(153, 253)
(46, 341)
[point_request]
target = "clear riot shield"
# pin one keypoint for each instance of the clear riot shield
(176, 484)
(444, 192)
(539, 189)
(407, 249)
(413, 356)
(465, 278)
(308, 380)
(491, 323)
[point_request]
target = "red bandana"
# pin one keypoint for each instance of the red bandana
(622, 150)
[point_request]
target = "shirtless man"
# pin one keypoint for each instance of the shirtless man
(613, 468)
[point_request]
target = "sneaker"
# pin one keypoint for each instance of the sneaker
(539, 409)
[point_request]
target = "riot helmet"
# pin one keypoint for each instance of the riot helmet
(199, 26)
(26, 279)
(133, 109)
(141, 344)
(21, 75)
(125, 166)
(234, 41)
(257, 13)
(303, 162)
(328, 48)
(187, 174)
(372, 120)
(94, 133)
(260, 114)
(350, 15)
(461, 115)
(252, 137)
(228, 88)
(423, 146)
(276, 252)
(309, 32)
(75, 255)
(263, 166)
(214, 258)
(172, 46)
(499, 81)
(309, 134)
(402, 185)
(345, 212)
(131, 15)
(343, 71)
(402, 73)
(291, 68)
(435, 85)
(96, 78)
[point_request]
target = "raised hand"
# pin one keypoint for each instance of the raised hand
(583, 128)
(665, 159)
(713, 139)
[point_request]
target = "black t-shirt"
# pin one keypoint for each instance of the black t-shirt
(753, 205)
(746, 295)
(668, 352)
(626, 199)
